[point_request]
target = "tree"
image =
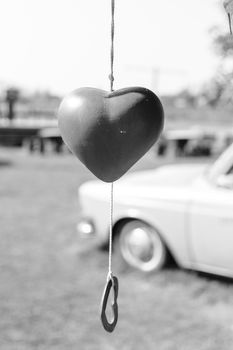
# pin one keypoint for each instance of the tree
(223, 44)
(220, 88)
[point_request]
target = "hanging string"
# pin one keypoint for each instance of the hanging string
(110, 234)
(230, 24)
(111, 78)
(112, 281)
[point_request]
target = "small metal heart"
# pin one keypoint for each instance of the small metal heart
(112, 282)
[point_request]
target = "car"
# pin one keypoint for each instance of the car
(184, 211)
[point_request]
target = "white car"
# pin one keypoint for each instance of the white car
(185, 211)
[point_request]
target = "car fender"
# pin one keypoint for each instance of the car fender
(163, 217)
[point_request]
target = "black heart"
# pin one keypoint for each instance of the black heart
(110, 131)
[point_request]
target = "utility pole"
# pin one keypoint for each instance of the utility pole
(11, 98)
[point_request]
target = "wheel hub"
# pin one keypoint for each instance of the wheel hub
(142, 248)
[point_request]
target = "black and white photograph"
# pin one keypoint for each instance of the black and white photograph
(116, 175)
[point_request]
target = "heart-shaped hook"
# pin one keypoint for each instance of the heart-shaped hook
(112, 282)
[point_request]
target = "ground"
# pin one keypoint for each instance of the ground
(51, 281)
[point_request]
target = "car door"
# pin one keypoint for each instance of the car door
(211, 226)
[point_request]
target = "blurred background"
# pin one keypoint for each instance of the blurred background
(51, 279)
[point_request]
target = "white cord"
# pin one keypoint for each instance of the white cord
(110, 233)
(111, 77)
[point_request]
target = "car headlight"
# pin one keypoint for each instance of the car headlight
(85, 227)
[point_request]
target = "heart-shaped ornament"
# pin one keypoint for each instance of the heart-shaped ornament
(110, 131)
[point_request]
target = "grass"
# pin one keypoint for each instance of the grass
(51, 281)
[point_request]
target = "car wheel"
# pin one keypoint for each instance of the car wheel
(141, 247)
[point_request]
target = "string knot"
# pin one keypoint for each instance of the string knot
(111, 78)
(110, 276)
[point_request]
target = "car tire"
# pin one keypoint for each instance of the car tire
(139, 246)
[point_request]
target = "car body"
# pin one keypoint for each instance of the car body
(181, 210)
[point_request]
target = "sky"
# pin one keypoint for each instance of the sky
(61, 45)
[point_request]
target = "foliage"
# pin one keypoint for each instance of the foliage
(219, 90)
(223, 44)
